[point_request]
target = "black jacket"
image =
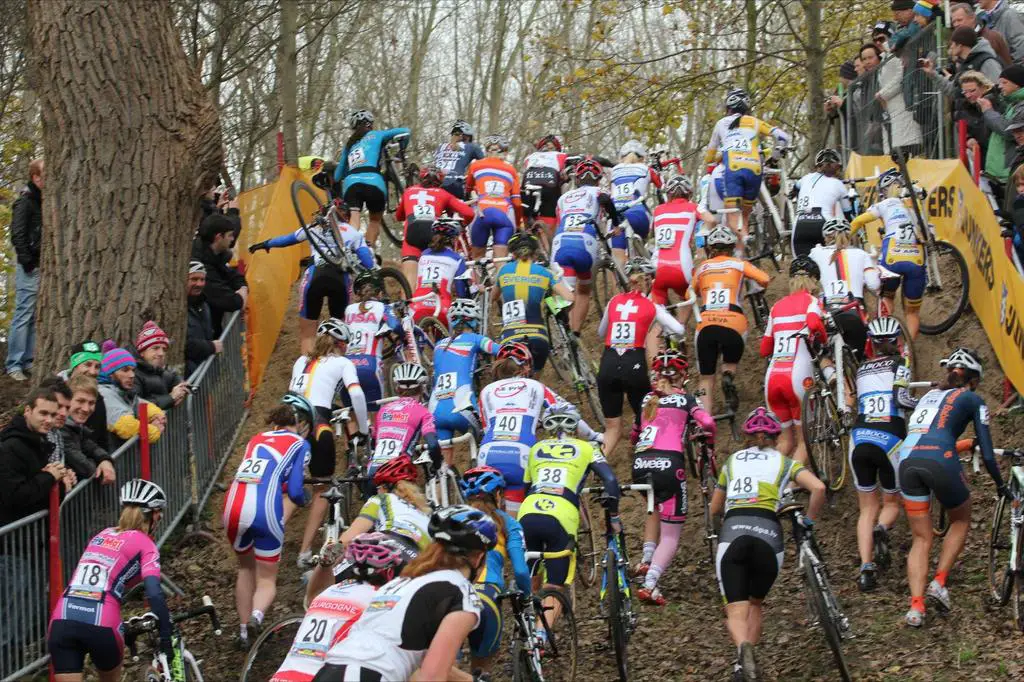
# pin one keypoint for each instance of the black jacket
(81, 452)
(155, 385)
(25, 486)
(976, 128)
(199, 337)
(27, 226)
(222, 281)
(209, 207)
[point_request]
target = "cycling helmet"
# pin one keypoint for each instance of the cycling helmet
(483, 480)
(720, 236)
(432, 175)
(336, 329)
(361, 116)
(827, 156)
(464, 311)
(638, 265)
(634, 147)
(461, 127)
(368, 278)
(762, 421)
(737, 100)
(679, 185)
(803, 265)
(447, 227)
(517, 351)
(374, 555)
(461, 528)
(963, 358)
(300, 405)
(588, 168)
(884, 328)
(408, 375)
(499, 141)
(670, 362)
(834, 226)
(553, 139)
(562, 417)
(395, 470)
(889, 178)
(523, 242)
(139, 492)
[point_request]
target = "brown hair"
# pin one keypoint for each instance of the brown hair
(841, 240)
(486, 504)
(40, 393)
(956, 378)
(323, 347)
(134, 518)
(802, 283)
(760, 440)
(84, 384)
(436, 557)
(411, 493)
(35, 167)
(506, 368)
(282, 415)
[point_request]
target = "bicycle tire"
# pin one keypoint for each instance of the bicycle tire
(1018, 584)
(300, 187)
(191, 668)
(523, 669)
(586, 547)
(394, 189)
(616, 618)
(817, 423)
(558, 357)
(1000, 578)
(270, 649)
(712, 522)
(760, 309)
(817, 588)
(943, 306)
(396, 286)
(940, 522)
(353, 501)
(562, 654)
(602, 287)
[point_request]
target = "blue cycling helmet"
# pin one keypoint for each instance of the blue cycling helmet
(463, 529)
(300, 405)
(483, 480)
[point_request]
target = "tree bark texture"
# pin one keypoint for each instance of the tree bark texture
(287, 75)
(131, 139)
(818, 123)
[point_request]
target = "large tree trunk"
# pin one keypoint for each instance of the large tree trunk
(817, 123)
(287, 74)
(130, 138)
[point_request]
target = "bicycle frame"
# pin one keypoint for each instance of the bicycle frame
(444, 479)
(480, 274)
(148, 625)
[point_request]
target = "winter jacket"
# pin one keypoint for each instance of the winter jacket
(1007, 21)
(155, 385)
(222, 282)
(995, 158)
(81, 452)
(209, 207)
(24, 486)
(199, 337)
(982, 58)
(97, 421)
(905, 130)
(976, 127)
(27, 226)
(123, 410)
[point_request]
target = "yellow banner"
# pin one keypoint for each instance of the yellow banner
(962, 216)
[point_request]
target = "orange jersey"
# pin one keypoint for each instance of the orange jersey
(496, 183)
(719, 284)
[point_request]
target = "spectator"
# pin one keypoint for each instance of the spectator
(26, 472)
(968, 52)
(85, 361)
(226, 290)
(906, 27)
(1011, 86)
(835, 103)
(880, 34)
(865, 130)
(200, 341)
(974, 86)
(218, 201)
(82, 453)
(1016, 130)
(117, 386)
(155, 382)
(906, 133)
(60, 389)
(26, 236)
(925, 12)
(1016, 233)
(1000, 17)
(962, 14)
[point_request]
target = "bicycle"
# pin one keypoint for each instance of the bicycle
(394, 168)
(569, 358)
(479, 272)
(553, 656)
(185, 667)
(417, 339)
(271, 648)
(441, 487)
(1006, 573)
(700, 457)
(824, 608)
(608, 274)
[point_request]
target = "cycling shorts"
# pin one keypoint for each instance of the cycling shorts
(540, 347)
(666, 471)
(639, 219)
(418, 234)
(871, 465)
(741, 184)
(318, 284)
(714, 341)
(333, 672)
(750, 553)
(668, 278)
(360, 194)
(492, 221)
(258, 532)
(544, 533)
(508, 458)
(807, 235)
(576, 254)
(69, 641)
(913, 278)
(449, 422)
(623, 375)
(784, 391)
(922, 477)
(323, 458)
(550, 182)
(370, 379)
(854, 330)
(485, 640)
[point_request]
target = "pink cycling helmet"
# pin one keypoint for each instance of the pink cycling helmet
(374, 554)
(762, 421)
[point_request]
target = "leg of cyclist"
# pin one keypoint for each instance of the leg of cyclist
(310, 305)
(914, 283)
(105, 675)
(707, 364)
(266, 590)
(373, 228)
(323, 463)
(245, 586)
(952, 546)
(920, 522)
(754, 619)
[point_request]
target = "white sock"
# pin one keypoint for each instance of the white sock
(257, 615)
(649, 548)
(651, 579)
(243, 633)
(829, 372)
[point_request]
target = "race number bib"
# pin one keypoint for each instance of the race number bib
(298, 384)
(623, 191)
(717, 298)
(665, 237)
(494, 188)
(513, 312)
(785, 347)
(360, 341)
(876, 406)
(623, 334)
(508, 426)
(551, 476)
(737, 142)
(574, 222)
(315, 636)
(423, 212)
(905, 235)
(430, 273)
(922, 419)
(743, 488)
(446, 384)
(647, 437)
(837, 290)
(356, 158)
(251, 470)
(387, 449)
(89, 581)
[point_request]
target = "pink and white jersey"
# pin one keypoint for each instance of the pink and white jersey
(674, 223)
(789, 316)
(555, 160)
(365, 320)
(328, 619)
(400, 424)
(113, 563)
(667, 431)
(578, 209)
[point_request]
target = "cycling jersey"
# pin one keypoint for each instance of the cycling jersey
(553, 160)
(629, 317)
(902, 253)
(629, 189)
(754, 478)
(419, 207)
(712, 199)
(368, 323)
(440, 270)
(360, 163)
(320, 380)
(719, 282)
(738, 137)
(844, 274)
(393, 515)
(455, 363)
(400, 425)
(496, 184)
(328, 620)
(667, 431)
(392, 636)
(544, 169)
(674, 224)
(325, 242)
(254, 505)
(790, 368)
(575, 243)
(509, 549)
(454, 159)
(524, 286)
(819, 195)
(882, 396)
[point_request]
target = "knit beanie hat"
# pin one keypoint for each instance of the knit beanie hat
(964, 36)
(1014, 73)
(83, 352)
(847, 70)
(926, 8)
(115, 359)
(151, 335)
(898, 5)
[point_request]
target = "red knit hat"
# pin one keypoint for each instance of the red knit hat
(151, 335)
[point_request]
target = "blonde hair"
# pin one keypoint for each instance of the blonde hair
(436, 557)
(1018, 175)
(35, 167)
(803, 283)
(841, 240)
(484, 504)
(976, 77)
(81, 383)
(411, 493)
(323, 347)
(134, 518)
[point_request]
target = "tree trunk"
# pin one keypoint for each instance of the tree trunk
(751, 48)
(817, 124)
(287, 75)
(130, 138)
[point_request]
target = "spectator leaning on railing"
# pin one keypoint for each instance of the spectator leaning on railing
(967, 52)
(974, 86)
(117, 386)
(26, 236)
(26, 472)
(200, 340)
(155, 382)
(1011, 85)
(85, 361)
(999, 16)
(906, 133)
(60, 389)
(962, 15)
(81, 452)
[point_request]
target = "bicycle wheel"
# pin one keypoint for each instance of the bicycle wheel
(946, 298)
(602, 286)
(558, 358)
(817, 588)
(1000, 577)
(269, 650)
(1018, 587)
(396, 286)
(616, 614)
(821, 428)
(302, 195)
(586, 548)
(760, 308)
(394, 192)
(524, 668)
(712, 522)
(562, 651)
(940, 522)
(586, 382)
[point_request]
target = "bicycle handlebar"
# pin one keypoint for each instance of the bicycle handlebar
(344, 414)
(633, 487)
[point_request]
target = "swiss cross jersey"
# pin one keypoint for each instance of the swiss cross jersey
(511, 409)
(365, 320)
(578, 211)
(428, 203)
(455, 362)
(719, 284)
(630, 182)
(400, 424)
(789, 316)
(667, 431)
(629, 317)
(320, 379)
(113, 562)
(396, 629)
(844, 274)
(328, 619)
(883, 391)
(495, 182)
(819, 196)
(674, 225)
(754, 478)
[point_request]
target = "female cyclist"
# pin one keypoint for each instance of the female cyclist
(722, 331)
(845, 270)
(674, 225)
(256, 510)
(545, 168)
(318, 378)
(550, 515)
(631, 177)
(454, 156)
(415, 625)
(359, 169)
(494, 183)
(883, 395)
(438, 273)
(627, 326)
(369, 561)
(368, 322)
(928, 465)
(822, 197)
(790, 368)
(750, 547)
(661, 462)
(402, 423)
(524, 284)
(87, 618)
(483, 488)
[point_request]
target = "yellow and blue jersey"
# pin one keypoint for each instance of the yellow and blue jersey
(524, 286)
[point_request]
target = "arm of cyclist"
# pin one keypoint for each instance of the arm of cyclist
(807, 480)
(517, 200)
(984, 439)
(439, 662)
(392, 133)
(602, 326)
(294, 488)
(655, 178)
(755, 273)
(515, 545)
(350, 380)
(608, 205)
(460, 286)
(158, 605)
(706, 421)
(666, 320)
(782, 139)
(901, 386)
(295, 237)
(607, 476)
(863, 219)
(456, 205)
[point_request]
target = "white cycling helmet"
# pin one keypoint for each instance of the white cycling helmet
(462, 127)
(408, 375)
(635, 147)
(835, 226)
(827, 155)
(336, 329)
(562, 417)
(357, 117)
(963, 358)
(889, 178)
(139, 492)
(884, 328)
(639, 265)
(466, 308)
(721, 236)
(679, 185)
(499, 141)
(737, 100)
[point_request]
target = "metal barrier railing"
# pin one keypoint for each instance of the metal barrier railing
(185, 462)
